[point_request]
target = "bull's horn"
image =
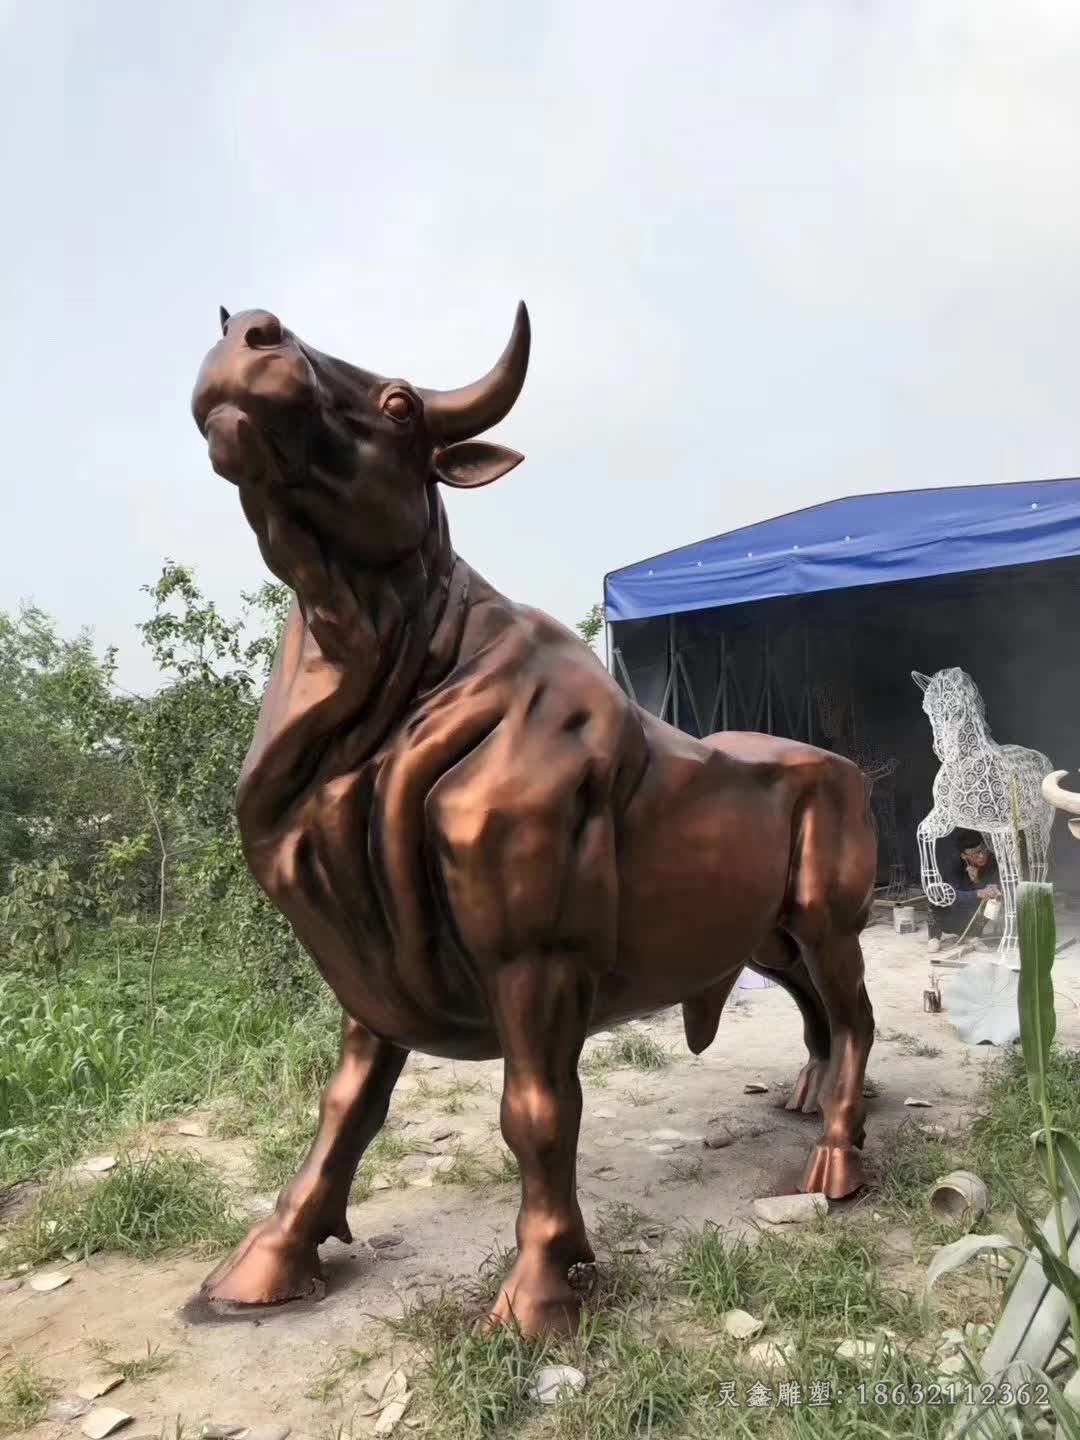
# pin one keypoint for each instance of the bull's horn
(1067, 800)
(921, 680)
(461, 414)
(224, 314)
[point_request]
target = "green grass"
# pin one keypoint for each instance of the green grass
(279, 1151)
(144, 1367)
(77, 1064)
(338, 1372)
(477, 1384)
(477, 1171)
(449, 1099)
(827, 1281)
(911, 1158)
(631, 1047)
(649, 1372)
(999, 1147)
(148, 1205)
(618, 1223)
(24, 1394)
(911, 1044)
(637, 1097)
(650, 1341)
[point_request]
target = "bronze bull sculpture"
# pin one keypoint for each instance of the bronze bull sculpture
(486, 848)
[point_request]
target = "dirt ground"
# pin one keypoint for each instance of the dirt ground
(252, 1371)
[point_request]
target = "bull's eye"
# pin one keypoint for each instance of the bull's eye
(399, 405)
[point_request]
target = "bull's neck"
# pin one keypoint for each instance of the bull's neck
(357, 647)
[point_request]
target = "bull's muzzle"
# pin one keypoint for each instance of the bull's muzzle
(233, 441)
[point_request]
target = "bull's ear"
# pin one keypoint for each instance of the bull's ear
(473, 463)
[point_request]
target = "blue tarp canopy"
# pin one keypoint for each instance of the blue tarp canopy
(860, 540)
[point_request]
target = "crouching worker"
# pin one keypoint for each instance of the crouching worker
(968, 865)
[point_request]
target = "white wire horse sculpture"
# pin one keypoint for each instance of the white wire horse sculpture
(972, 791)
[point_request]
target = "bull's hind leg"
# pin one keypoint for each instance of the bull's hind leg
(836, 968)
(279, 1258)
(780, 959)
(541, 1008)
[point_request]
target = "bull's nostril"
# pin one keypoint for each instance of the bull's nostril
(264, 334)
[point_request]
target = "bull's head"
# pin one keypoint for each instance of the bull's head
(342, 454)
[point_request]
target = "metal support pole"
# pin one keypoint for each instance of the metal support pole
(725, 718)
(673, 678)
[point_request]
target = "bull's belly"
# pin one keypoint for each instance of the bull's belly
(660, 963)
(702, 871)
(418, 1000)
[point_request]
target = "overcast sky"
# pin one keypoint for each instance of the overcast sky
(774, 252)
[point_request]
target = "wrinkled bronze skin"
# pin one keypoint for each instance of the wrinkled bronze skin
(486, 848)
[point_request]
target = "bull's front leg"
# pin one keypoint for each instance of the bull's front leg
(279, 1258)
(541, 1008)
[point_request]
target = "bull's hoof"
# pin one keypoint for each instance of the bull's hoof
(268, 1267)
(543, 1303)
(804, 1095)
(835, 1171)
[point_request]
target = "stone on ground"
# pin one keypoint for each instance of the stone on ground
(741, 1325)
(50, 1281)
(862, 1351)
(769, 1354)
(552, 1380)
(100, 1384)
(388, 1419)
(386, 1385)
(99, 1164)
(102, 1420)
(67, 1407)
(790, 1209)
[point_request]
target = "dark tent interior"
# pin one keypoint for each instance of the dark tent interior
(833, 666)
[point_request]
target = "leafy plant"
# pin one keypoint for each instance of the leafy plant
(591, 625)
(39, 915)
(23, 1397)
(1056, 1150)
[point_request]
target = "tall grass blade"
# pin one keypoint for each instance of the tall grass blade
(1066, 1166)
(1038, 1022)
(1057, 1269)
(952, 1257)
